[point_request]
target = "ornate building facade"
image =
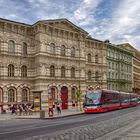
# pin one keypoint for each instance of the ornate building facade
(50, 54)
(136, 67)
(119, 67)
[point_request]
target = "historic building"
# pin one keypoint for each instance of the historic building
(51, 55)
(119, 68)
(136, 67)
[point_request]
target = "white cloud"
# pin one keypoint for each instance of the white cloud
(123, 25)
(85, 12)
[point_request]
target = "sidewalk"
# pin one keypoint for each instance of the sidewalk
(7, 116)
(64, 113)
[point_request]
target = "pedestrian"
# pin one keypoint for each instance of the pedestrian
(31, 107)
(13, 110)
(58, 108)
(25, 109)
(20, 108)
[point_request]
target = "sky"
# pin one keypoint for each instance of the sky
(115, 20)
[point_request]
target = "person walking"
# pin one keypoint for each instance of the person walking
(20, 108)
(58, 108)
(13, 110)
(25, 109)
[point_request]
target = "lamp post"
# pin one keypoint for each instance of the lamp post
(78, 93)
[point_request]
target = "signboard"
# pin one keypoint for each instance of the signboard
(37, 100)
(50, 99)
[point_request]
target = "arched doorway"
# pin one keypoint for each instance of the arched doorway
(73, 96)
(64, 97)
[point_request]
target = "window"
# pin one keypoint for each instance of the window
(89, 75)
(24, 71)
(96, 58)
(112, 65)
(52, 71)
(24, 95)
(89, 57)
(11, 95)
(11, 70)
(63, 50)
(96, 76)
(109, 75)
(109, 65)
(52, 48)
(73, 93)
(72, 72)
(72, 52)
(62, 71)
(24, 49)
(11, 46)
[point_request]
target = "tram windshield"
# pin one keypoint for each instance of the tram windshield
(93, 97)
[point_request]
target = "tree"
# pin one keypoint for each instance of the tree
(78, 97)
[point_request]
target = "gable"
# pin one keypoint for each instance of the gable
(64, 24)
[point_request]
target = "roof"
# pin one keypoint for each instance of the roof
(11, 21)
(91, 38)
(61, 20)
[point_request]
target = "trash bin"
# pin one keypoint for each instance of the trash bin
(42, 114)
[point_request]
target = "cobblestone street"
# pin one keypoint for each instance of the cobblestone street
(99, 131)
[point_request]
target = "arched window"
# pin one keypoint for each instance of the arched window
(24, 95)
(72, 72)
(52, 48)
(63, 50)
(24, 49)
(96, 76)
(73, 93)
(72, 52)
(96, 58)
(24, 71)
(89, 75)
(11, 95)
(10, 70)
(62, 71)
(11, 46)
(52, 71)
(89, 57)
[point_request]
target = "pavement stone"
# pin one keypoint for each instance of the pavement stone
(98, 131)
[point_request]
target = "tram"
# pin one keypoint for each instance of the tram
(105, 100)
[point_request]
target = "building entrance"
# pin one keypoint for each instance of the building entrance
(64, 97)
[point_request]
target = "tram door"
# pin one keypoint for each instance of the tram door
(64, 97)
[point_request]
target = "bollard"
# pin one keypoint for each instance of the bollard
(42, 114)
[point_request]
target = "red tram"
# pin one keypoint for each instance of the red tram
(106, 100)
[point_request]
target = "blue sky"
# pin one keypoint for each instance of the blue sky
(116, 20)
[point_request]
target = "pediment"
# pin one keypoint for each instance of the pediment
(64, 24)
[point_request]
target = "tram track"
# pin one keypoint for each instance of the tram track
(48, 127)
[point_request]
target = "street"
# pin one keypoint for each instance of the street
(85, 126)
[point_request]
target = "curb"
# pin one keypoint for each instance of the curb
(51, 117)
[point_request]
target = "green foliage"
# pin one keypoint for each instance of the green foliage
(78, 94)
